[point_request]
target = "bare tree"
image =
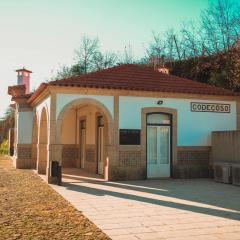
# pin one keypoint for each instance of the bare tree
(169, 45)
(190, 39)
(156, 48)
(63, 72)
(104, 60)
(220, 25)
(173, 45)
(88, 58)
(127, 56)
(218, 31)
(86, 53)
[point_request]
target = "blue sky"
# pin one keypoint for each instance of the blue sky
(41, 35)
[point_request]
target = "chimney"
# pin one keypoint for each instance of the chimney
(158, 64)
(23, 78)
(163, 69)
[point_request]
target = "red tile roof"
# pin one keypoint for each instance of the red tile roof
(18, 92)
(137, 77)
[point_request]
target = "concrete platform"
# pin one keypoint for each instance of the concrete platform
(156, 209)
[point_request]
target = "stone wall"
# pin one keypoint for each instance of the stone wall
(34, 155)
(130, 164)
(69, 156)
(192, 162)
(24, 156)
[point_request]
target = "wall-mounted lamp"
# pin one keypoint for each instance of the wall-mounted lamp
(159, 102)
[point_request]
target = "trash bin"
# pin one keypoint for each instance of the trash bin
(54, 169)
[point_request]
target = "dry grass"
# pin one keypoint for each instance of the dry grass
(30, 209)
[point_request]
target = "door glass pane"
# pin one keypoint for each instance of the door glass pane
(100, 121)
(83, 124)
(152, 145)
(158, 118)
(164, 142)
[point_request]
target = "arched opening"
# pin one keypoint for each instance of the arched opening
(43, 143)
(35, 141)
(84, 128)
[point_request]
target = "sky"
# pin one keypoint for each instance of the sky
(42, 35)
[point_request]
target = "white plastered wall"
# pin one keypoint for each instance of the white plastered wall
(194, 128)
(24, 127)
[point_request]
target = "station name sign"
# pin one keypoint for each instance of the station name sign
(210, 107)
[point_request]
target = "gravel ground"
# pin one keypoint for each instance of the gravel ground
(30, 209)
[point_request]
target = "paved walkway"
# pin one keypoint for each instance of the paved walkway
(157, 209)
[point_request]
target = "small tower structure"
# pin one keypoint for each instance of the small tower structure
(23, 78)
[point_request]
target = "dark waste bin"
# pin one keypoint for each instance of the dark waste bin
(56, 171)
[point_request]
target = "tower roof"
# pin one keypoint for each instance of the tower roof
(23, 69)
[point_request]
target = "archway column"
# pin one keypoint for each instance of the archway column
(42, 152)
(113, 149)
(54, 146)
(34, 155)
(35, 142)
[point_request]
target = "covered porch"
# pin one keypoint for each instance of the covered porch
(79, 140)
(84, 137)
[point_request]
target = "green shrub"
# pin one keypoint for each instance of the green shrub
(4, 147)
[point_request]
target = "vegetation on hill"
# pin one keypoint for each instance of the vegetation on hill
(6, 123)
(221, 69)
(4, 147)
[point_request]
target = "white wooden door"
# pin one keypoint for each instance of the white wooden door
(158, 151)
(100, 150)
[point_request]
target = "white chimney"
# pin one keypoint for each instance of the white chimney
(163, 69)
